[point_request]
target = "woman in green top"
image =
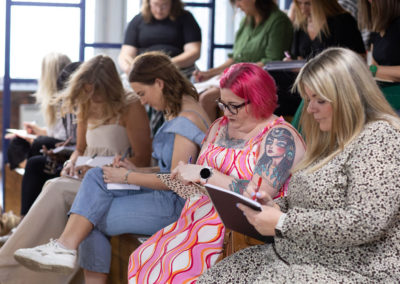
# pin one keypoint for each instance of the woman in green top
(264, 34)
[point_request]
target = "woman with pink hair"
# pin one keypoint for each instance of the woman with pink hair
(229, 158)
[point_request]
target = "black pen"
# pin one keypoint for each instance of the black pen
(91, 159)
(127, 153)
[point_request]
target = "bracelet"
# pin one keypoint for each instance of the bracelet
(373, 68)
(66, 163)
(126, 176)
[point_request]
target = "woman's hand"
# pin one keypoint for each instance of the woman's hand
(187, 173)
(80, 171)
(68, 169)
(125, 163)
(201, 76)
(265, 221)
(114, 174)
(33, 128)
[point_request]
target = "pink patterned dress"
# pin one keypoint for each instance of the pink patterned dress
(182, 251)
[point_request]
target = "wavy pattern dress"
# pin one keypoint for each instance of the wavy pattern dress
(180, 252)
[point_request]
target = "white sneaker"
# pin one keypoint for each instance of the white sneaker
(47, 257)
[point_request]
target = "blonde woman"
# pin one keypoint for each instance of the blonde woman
(320, 24)
(21, 148)
(109, 121)
(340, 222)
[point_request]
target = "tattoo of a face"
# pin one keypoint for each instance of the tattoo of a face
(278, 157)
(228, 142)
(238, 185)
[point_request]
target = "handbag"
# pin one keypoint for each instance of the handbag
(184, 191)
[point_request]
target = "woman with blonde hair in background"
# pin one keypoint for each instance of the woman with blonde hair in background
(109, 121)
(320, 24)
(340, 222)
(98, 213)
(20, 148)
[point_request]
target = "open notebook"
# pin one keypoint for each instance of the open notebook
(225, 203)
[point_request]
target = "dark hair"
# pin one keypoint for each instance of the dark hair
(153, 65)
(65, 74)
(264, 7)
(177, 8)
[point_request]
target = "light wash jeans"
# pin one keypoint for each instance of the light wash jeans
(115, 212)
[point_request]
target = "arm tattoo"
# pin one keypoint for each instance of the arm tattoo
(228, 142)
(238, 185)
(277, 160)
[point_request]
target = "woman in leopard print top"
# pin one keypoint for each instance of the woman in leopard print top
(340, 222)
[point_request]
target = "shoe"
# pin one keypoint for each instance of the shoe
(47, 257)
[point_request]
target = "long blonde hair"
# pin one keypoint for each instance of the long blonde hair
(99, 72)
(321, 10)
(378, 15)
(342, 78)
(52, 65)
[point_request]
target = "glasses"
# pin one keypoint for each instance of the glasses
(233, 109)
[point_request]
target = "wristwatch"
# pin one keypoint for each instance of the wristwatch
(279, 225)
(205, 174)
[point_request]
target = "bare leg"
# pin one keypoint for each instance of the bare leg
(92, 277)
(76, 230)
(208, 102)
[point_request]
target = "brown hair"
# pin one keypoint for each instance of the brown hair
(379, 15)
(101, 73)
(177, 8)
(321, 10)
(264, 7)
(153, 65)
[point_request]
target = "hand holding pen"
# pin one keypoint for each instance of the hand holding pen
(257, 188)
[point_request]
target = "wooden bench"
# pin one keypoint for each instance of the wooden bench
(122, 247)
(12, 190)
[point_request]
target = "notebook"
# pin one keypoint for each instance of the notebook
(232, 217)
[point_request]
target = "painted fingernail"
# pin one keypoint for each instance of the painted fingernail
(237, 205)
(258, 195)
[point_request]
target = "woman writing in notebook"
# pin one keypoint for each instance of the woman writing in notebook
(229, 156)
(104, 111)
(97, 212)
(340, 221)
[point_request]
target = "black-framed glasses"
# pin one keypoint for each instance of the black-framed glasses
(233, 109)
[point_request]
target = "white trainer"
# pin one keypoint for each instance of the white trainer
(47, 257)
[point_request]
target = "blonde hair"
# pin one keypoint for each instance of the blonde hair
(52, 65)
(342, 78)
(378, 15)
(321, 10)
(99, 72)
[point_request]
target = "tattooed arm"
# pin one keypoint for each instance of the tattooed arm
(279, 152)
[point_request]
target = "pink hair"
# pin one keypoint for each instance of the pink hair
(252, 83)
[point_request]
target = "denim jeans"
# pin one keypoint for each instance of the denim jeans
(115, 212)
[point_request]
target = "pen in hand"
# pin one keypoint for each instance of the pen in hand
(128, 153)
(88, 162)
(257, 188)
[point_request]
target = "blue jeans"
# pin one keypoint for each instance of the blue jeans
(115, 212)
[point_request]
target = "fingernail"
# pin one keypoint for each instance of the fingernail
(244, 214)
(258, 195)
(237, 205)
(252, 194)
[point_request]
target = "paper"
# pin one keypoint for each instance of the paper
(21, 133)
(225, 202)
(202, 86)
(122, 186)
(62, 149)
(98, 161)
(284, 65)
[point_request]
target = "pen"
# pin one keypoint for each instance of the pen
(257, 188)
(91, 159)
(190, 160)
(127, 153)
